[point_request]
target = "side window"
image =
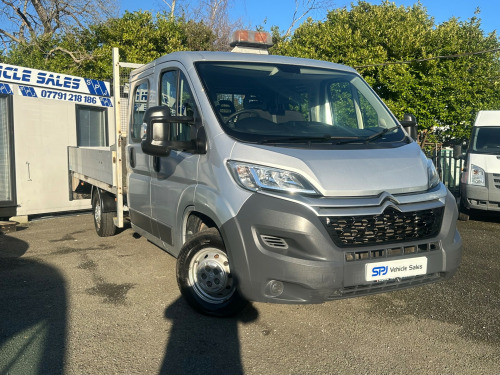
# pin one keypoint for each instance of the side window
(187, 104)
(168, 90)
(91, 126)
(140, 104)
(177, 95)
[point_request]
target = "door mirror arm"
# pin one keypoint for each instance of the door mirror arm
(409, 123)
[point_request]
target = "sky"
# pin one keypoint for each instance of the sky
(280, 12)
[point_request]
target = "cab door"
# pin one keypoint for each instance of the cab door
(173, 177)
(138, 163)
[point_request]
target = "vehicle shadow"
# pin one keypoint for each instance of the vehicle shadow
(200, 344)
(32, 312)
(488, 217)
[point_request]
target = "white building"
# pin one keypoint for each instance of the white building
(41, 114)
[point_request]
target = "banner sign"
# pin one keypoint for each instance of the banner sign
(51, 80)
(37, 92)
(6, 89)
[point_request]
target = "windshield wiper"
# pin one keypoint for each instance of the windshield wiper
(326, 138)
(370, 137)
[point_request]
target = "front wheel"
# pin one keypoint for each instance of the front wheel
(103, 221)
(463, 212)
(204, 277)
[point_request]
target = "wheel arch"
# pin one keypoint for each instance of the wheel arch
(191, 213)
(205, 203)
(107, 199)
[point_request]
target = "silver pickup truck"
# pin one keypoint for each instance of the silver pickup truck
(274, 179)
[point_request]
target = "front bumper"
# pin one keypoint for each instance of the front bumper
(486, 198)
(273, 239)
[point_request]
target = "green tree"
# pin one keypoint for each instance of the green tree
(395, 48)
(140, 37)
(24, 21)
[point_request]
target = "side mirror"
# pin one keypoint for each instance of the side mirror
(159, 138)
(457, 152)
(409, 123)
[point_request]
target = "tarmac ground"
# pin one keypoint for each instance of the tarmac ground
(75, 303)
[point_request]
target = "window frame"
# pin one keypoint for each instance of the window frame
(132, 109)
(179, 74)
(8, 207)
(104, 110)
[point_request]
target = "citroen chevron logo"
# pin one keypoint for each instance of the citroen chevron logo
(388, 200)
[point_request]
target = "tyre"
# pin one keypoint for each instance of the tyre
(103, 221)
(194, 225)
(204, 276)
(463, 213)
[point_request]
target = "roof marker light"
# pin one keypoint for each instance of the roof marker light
(248, 41)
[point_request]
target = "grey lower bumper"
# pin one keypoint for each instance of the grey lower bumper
(273, 239)
(481, 197)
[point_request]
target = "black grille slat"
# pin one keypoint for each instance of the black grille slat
(392, 226)
(387, 285)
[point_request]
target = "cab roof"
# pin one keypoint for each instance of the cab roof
(188, 58)
(487, 118)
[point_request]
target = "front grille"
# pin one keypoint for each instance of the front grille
(386, 286)
(389, 227)
(496, 180)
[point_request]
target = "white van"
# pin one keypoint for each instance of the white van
(480, 180)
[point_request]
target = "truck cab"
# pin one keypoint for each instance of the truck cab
(281, 180)
(480, 179)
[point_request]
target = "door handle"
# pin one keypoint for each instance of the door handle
(156, 164)
(132, 158)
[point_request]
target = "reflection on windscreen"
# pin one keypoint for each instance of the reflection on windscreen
(258, 101)
(486, 140)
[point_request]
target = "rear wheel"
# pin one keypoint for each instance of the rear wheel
(103, 221)
(204, 276)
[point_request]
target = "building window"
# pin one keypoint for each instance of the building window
(91, 126)
(7, 190)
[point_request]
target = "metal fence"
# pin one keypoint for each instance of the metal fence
(449, 169)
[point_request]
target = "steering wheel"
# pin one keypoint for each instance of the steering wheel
(246, 113)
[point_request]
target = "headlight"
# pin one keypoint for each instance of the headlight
(432, 174)
(256, 177)
(477, 175)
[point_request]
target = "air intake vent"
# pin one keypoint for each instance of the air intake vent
(274, 242)
(496, 180)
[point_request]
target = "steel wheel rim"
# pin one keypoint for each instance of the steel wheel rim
(210, 276)
(97, 215)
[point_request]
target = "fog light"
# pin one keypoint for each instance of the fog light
(274, 288)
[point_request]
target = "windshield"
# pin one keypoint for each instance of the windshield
(277, 103)
(486, 140)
